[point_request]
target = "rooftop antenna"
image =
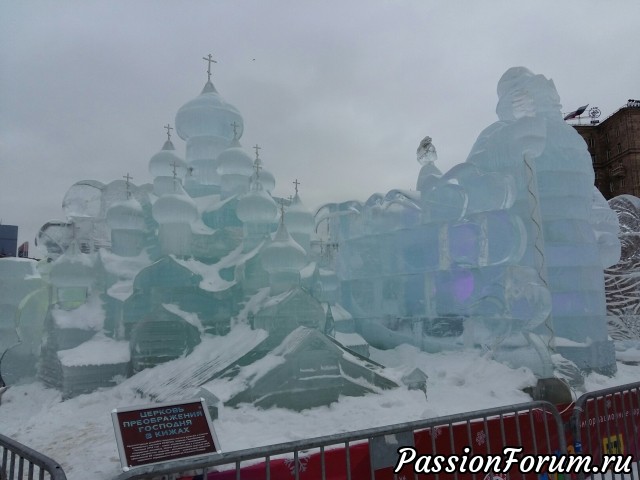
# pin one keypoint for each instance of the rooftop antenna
(209, 59)
(127, 177)
(169, 128)
(296, 183)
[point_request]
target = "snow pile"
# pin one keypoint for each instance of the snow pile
(78, 432)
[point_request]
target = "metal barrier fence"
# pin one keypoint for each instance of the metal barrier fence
(607, 422)
(372, 454)
(20, 462)
(603, 422)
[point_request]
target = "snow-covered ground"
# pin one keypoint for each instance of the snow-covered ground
(79, 434)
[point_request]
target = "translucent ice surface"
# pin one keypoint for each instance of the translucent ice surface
(508, 247)
(504, 252)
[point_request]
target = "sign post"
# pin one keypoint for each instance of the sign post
(165, 431)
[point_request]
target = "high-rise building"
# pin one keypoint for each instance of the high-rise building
(8, 240)
(614, 145)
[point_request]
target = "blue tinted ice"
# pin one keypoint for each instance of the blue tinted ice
(503, 252)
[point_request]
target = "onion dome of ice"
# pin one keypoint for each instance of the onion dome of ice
(283, 254)
(267, 180)
(174, 208)
(257, 206)
(299, 219)
(163, 163)
(126, 215)
(208, 115)
(83, 199)
(73, 269)
(235, 161)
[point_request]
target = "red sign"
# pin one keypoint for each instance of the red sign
(161, 432)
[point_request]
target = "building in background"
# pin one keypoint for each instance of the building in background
(614, 145)
(8, 240)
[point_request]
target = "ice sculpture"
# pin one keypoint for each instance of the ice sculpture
(502, 252)
(145, 275)
(505, 250)
(621, 279)
(543, 153)
(208, 124)
(24, 298)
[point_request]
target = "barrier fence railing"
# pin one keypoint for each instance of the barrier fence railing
(373, 453)
(607, 422)
(20, 462)
(604, 422)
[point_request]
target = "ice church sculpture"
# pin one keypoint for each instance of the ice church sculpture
(504, 251)
(142, 275)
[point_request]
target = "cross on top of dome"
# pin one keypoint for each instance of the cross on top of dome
(209, 59)
(169, 128)
(128, 177)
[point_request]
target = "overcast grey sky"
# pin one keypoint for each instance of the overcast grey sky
(337, 93)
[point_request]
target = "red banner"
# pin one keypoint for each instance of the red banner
(608, 426)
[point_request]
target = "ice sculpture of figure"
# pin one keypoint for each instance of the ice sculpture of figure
(554, 178)
(505, 244)
(427, 156)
